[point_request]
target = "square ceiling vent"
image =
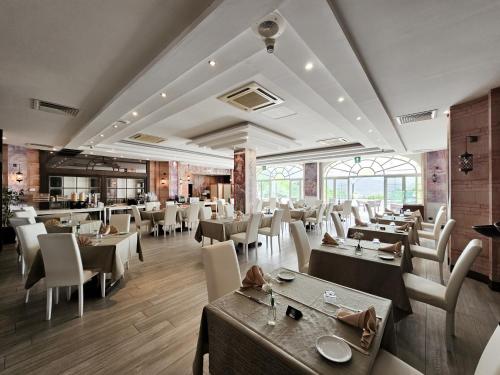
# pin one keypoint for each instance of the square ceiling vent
(147, 138)
(416, 117)
(251, 97)
(337, 141)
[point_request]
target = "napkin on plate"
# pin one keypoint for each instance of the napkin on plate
(366, 320)
(329, 240)
(254, 277)
(52, 222)
(395, 248)
(108, 229)
(360, 223)
(83, 241)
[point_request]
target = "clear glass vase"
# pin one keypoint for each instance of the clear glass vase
(271, 313)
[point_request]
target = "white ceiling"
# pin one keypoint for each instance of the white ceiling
(111, 58)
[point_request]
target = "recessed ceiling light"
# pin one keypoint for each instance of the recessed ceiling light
(54, 149)
(4, 138)
(370, 130)
(340, 99)
(211, 62)
(115, 126)
(163, 94)
(121, 156)
(91, 153)
(135, 114)
(446, 112)
(309, 66)
(101, 135)
(91, 142)
(358, 118)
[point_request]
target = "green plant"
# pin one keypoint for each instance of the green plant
(9, 197)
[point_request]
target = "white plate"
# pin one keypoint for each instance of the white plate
(386, 257)
(333, 349)
(285, 275)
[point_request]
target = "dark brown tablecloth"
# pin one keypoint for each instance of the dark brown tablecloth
(388, 236)
(366, 272)
(235, 333)
(86, 227)
(222, 229)
(414, 239)
(103, 257)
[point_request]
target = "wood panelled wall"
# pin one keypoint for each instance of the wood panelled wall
(28, 159)
(475, 197)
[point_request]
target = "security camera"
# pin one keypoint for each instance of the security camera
(269, 29)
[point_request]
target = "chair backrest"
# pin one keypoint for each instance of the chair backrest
(462, 266)
(150, 206)
(61, 259)
(23, 214)
(170, 203)
(290, 204)
(220, 207)
(258, 206)
(440, 220)
(192, 212)
(355, 212)
(369, 210)
(31, 210)
(136, 213)
(302, 245)
(229, 210)
(100, 204)
(121, 222)
(347, 209)
(170, 215)
(205, 213)
(28, 238)
(320, 212)
(276, 222)
(194, 200)
(489, 363)
(253, 227)
(444, 237)
(16, 222)
(222, 270)
(338, 224)
(272, 204)
(287, 216)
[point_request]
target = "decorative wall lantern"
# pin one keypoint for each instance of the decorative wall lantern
(466, 160)
(434, 177)
(163, 180)
(19, 174)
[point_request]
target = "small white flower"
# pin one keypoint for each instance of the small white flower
(267, 288)
(268, 277)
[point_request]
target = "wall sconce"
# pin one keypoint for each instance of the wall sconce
(163, 180)
(466, 160)
(434, 177)
(19, 174)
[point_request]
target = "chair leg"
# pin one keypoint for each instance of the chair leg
(271, 239)
(68, 293)
(267, 242)
(246, 251)
(450, 329)
(80, 300)
(56, 297)
(26, 299)
(48, 313)
(279, 243)
(441, 273)
(103, 284)
(23, 266)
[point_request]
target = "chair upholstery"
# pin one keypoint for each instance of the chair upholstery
(302, 245)
(31, 210)
(430, 226)
(436, 231)
(338, 224)
(437, 295)
(258, 206)
(150, 206)
(139, 223)
(220, 207)
(121, 222)
(274, 229)
(169, 219)
(489, 363)
(192, 215)
(23, 214)
(272, 204)
(222, 270)
(388, 364)
(347, 210)
(170, 203)
(205, 213)
(369, 211)
(318, 219)
(28, 238)
(229, 210)
(251, 234)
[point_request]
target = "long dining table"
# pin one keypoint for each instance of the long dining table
(235, 334)
(367, 271)
(222, 229)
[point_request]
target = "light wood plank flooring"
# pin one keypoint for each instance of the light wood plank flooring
(149, 324)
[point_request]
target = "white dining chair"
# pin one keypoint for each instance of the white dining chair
(489, 363)
(169, 220)
(30, 209)
(220, 208)
(258, 206)
(170, 203)
(24, 214)
(436, 255)
(28, 239)
(139, 222)
(435, 294)
(369, 210)
(272, 204)
(205, 213)
(436, 230)
(339, 227)
(222, 270)
(63, 266)
(291, 205)
(250, 235)
(229, 211)
(327, 214)
(16, 222)
(194, 200)
(346, 213)
(355, 212)
(388, 364)
(121, 222)
(287, 218)
(273, 230)
(318, 219)
(191, 217)
(430, 226)
(302, 246)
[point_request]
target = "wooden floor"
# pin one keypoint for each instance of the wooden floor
(150, 323)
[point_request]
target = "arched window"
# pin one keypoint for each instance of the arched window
(280, 182)
(393, 180)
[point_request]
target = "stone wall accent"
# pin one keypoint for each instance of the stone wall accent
(311, 180)
(29, 161)
(245, 180)
(436, 193)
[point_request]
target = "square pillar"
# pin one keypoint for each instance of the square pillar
(245, 180)
(311, 180)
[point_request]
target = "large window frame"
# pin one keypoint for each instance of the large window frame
(398, 168)
(281, 182)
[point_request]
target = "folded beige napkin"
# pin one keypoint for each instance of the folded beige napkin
(108, 229)
(360, 223)
(254, 277)
(83, 241)
(395, 248)
(52, 222)
(329, 240)
(390, 212)
(366, 320)
(404, 227)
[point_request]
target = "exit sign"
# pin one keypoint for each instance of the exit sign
(357, 159)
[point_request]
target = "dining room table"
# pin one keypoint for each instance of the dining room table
(370, 270)
(221, 229)
(234, 330)
(388, 234)
(81, 227)
(399, 221)
(106, 255)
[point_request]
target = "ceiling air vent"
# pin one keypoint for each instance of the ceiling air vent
(42, 105)
(251, 97)
(332, 141)
(147, 138)
(415, 117)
